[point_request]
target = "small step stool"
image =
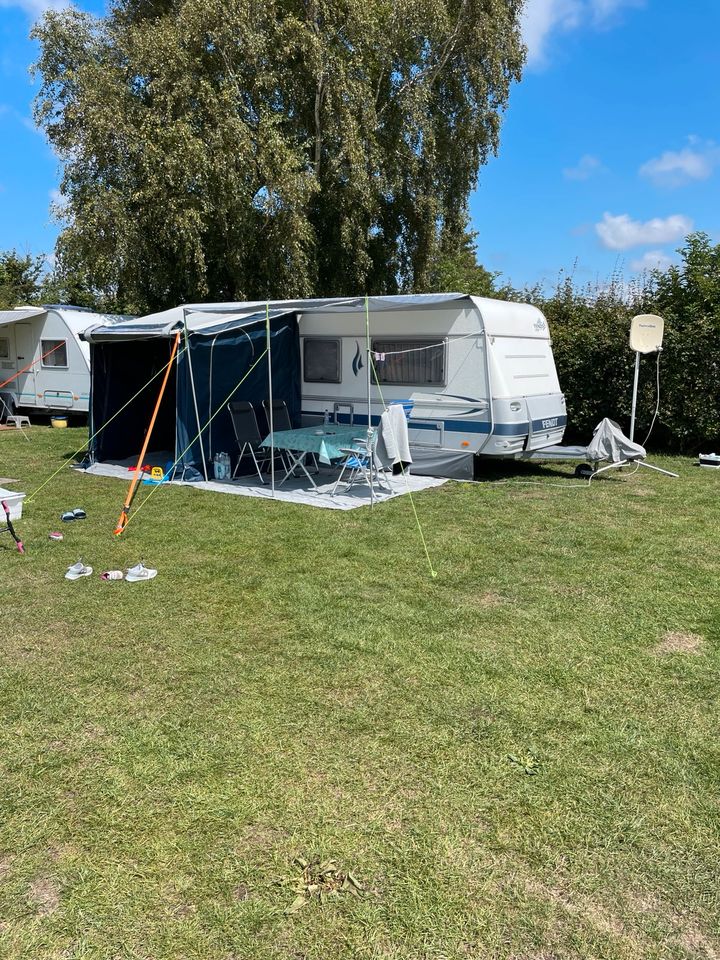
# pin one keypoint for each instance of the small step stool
(18, 421)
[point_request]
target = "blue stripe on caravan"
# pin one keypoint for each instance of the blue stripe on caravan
(519, 429)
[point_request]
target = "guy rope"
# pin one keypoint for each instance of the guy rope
(123, 518)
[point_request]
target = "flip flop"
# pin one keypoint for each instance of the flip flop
(78, 570)
(140, 572)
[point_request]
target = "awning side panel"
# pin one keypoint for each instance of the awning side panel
(219, 364)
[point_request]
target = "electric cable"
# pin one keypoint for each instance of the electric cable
(657, 403)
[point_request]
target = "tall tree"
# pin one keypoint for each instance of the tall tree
(19, 278)
(285, 147)
(455, 267)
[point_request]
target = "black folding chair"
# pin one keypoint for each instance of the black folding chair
(280, 415)
(282, 421)
(247, 434)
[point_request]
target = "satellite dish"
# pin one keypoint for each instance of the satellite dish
(646, 333)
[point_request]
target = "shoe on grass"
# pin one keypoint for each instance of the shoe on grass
(140, 572)
(78, 570)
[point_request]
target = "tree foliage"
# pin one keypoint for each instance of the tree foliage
(455, 268)
(240, 149)
(19, 279)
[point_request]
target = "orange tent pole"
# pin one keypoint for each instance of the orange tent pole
(123, 518)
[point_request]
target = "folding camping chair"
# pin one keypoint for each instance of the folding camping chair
(281, 421)
(247, 433)
(361, 461)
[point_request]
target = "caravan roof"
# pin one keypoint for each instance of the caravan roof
(499, 317)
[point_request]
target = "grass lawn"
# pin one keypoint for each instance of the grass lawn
(294, 688)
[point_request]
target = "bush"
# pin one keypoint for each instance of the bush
(590, 329)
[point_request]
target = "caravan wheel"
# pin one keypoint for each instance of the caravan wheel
(584, 471)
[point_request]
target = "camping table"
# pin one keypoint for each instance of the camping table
(327, 441)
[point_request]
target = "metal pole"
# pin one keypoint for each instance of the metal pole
(634, 396)
(192, 385)
(270, 403)
(369, 400)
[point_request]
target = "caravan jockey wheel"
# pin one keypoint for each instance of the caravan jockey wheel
(584, 471)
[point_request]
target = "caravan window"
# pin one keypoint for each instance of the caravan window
(58, 357)
(411, 362)
(4, 348)
(321, 360)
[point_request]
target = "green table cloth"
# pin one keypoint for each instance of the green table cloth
(325, 440)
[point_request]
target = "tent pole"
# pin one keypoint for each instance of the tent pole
(369, 381)
(122, 519)
(271, 422)
(192, 386)
(634, 395)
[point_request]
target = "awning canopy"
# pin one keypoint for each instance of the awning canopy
(19, 313)
(213, 318)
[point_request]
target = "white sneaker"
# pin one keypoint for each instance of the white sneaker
(78, 570)
(140, 572)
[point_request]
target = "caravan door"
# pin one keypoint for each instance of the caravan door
(25, 354)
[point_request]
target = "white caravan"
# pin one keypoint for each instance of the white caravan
(46, 341)
(480, 373)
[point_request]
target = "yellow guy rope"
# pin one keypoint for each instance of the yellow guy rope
(99, 430)
(371, 362)
(122, 519)
(197, 437)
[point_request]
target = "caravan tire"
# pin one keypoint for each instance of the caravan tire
(584, 471)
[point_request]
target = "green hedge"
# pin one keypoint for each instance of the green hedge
(590, 330)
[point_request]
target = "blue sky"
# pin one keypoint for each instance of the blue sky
(610, 148)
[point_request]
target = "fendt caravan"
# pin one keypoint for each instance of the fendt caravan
(44, 343)
(477, 375)
(480, 374)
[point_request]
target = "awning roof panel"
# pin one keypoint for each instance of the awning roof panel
(19, 313)
(211, 318)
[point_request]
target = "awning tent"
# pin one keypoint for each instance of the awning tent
(219, 355)
(222, 341)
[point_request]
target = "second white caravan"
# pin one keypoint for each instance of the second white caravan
(44, 365)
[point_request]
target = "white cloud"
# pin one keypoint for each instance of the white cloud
(620, 232)
(543, 18)
(674, 168)
(651, 260)
(584, 169)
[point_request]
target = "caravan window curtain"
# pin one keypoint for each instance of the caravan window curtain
(321, 360)
(410, 362)
(58, 357)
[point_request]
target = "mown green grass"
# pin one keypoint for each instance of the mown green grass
(294, 683)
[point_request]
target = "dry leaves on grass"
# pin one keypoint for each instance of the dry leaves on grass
(677, 641)
(320, 880)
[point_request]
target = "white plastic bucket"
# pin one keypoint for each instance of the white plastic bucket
(14, 501)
